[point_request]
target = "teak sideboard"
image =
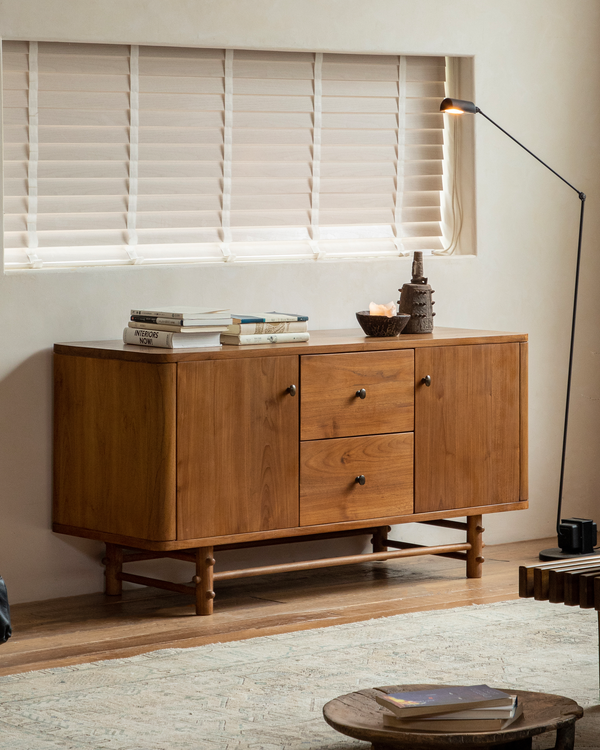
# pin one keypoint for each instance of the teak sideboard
(181, 453)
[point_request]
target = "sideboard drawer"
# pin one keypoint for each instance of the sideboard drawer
(330, 404)
(329, 469)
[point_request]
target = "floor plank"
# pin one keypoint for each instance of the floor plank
(92, 627)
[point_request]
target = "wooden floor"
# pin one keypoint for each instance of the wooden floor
(85, 628)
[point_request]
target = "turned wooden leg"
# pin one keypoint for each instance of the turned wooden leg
(475, 539)
(114, 567)
(204, 580)
(380, 538)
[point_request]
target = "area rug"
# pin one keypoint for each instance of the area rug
(268, 693)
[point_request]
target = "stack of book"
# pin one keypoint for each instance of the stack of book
(177, 327)
(473, 708)
(266, 328)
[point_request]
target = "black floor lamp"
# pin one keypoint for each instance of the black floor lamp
(576, 536)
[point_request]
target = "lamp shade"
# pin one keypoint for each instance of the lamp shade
(458, 106)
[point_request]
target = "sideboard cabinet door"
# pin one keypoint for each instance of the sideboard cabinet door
(114, 446)
(237, 446)
(466, 426)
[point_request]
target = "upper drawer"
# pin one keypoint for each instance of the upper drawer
(330, 406)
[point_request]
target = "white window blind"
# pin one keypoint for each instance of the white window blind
(118, 154)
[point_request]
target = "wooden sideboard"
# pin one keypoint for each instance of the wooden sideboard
(178, 453)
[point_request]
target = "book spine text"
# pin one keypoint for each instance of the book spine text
(143, 337)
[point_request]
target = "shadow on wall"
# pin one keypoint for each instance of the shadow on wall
(26, 442)
(26, 537)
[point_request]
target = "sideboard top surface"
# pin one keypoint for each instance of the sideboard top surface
(342, 340)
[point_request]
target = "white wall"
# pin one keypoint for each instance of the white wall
(537, 71)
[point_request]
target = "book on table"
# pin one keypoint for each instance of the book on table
(265, 338)
(182, 312)
(169, 340)
(247, 329)
(219, 319)
(452, 722)
(483, 719)
(267, 317)
(442, 700)
(183, 330)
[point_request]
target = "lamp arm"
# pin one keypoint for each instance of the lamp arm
(581, 195)
(564, 445)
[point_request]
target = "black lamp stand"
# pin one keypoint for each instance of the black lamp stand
(576, 536)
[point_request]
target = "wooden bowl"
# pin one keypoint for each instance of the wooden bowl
(381, 325)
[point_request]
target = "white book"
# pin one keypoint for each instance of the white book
(167, 340)
(264, 338)
(184, 331)
(182, 311)
(208, 320)
(246, 329)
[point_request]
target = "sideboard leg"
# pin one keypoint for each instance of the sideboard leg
(204, 580)
(114, 566)
(475, 554)
(380, 538)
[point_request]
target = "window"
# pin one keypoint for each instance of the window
(120, 154)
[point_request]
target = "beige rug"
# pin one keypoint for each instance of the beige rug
(268, 693)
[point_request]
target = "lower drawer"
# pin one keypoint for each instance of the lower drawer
(329, 492)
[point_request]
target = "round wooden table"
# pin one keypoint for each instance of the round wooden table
(358, 715)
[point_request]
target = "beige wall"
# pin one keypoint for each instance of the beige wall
(536, 71)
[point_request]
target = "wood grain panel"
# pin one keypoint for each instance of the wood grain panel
(114, 446)
(328, 470)
(330, 407)
(524, 421)
(296, 532)
(237, 433)
(467, 426)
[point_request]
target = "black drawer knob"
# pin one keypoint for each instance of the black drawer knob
(426, 380)
(362, 393)
(292, 390)
(360, 479)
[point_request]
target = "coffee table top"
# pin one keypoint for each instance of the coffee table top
(358, 715)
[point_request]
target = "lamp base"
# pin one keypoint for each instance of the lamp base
(577, 537)
(555, 553)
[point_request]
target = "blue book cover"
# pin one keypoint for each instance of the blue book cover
(443, 699)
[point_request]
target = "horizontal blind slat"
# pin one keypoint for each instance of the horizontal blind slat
(169, 67)
(182, 53)
(92, 66)
(79, 49)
